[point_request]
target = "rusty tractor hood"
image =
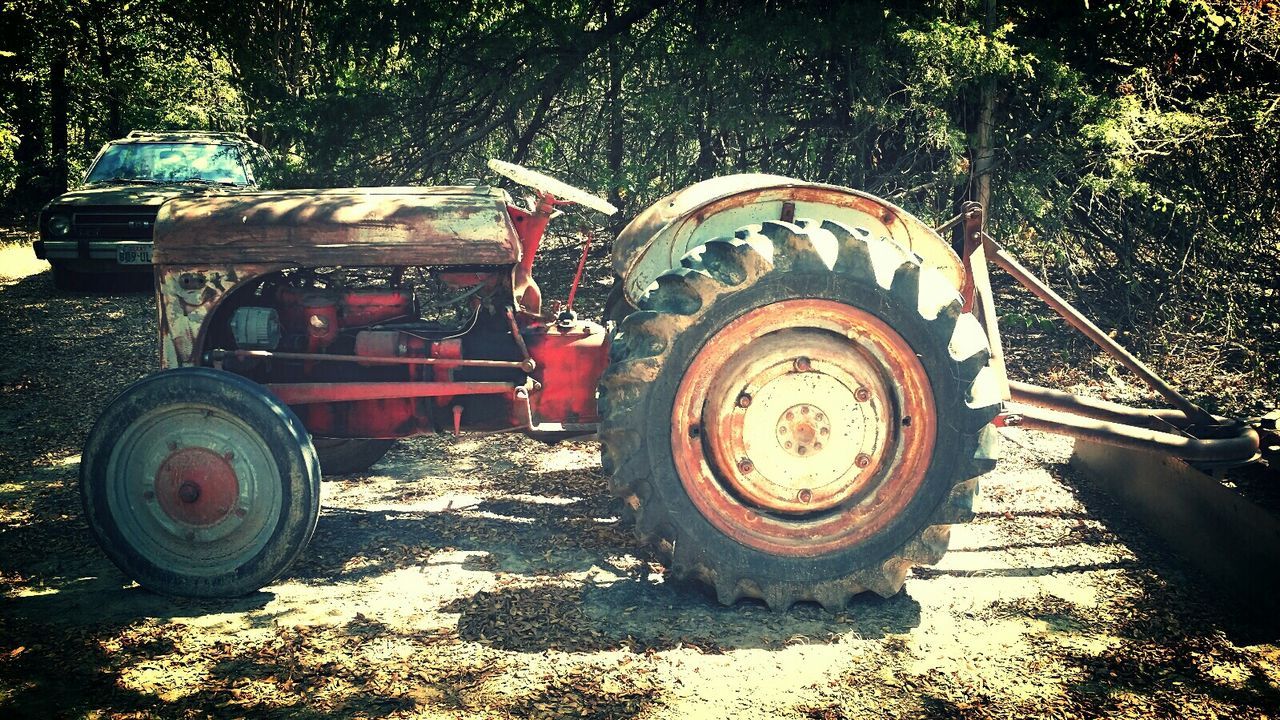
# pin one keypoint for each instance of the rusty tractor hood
(657, 238)
(139, 195)
(462, 225)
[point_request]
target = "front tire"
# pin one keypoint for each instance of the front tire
(794, 414)
(198, 483)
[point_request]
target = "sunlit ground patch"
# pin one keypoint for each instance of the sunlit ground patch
(19, 261)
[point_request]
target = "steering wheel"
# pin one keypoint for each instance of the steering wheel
(550, 185)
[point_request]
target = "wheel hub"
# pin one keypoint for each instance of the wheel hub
(791, 447)
(803, 429)
(196, 486)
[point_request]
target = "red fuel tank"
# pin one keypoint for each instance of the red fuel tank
(570, 358)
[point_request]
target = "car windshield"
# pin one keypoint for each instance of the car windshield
(170, 162)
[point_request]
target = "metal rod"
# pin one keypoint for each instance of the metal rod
(1237, 449)
(217, 355)
(577, 276)
(1050, 399)
(515, 335)
(307, 393)
(1006, 262)
(949, 224)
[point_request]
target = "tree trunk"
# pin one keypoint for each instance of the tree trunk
(115, 118)
(58, 122)
(615, 101)
(985, 155)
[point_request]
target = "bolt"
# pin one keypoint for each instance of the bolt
(744, 400)
(745, 466)
(802, 364)
(189, 492)
(782, 429)
(173, 445)
(694, 430)
(862, 394)
(802, 450)
(804, 409)
(823, 431)
(787, 445)
(806, 495)
(862, 460)
(819, 417)
(791, 415)
(817, 446)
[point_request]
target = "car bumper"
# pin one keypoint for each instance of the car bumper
(93, 255)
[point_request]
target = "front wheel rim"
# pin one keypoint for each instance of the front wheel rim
(194, 490)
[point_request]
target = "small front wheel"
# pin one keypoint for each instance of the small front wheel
(198, 483)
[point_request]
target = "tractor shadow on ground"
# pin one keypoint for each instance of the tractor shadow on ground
(647, 616)
(573, 576)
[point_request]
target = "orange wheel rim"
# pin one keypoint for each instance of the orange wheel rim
(803, 427)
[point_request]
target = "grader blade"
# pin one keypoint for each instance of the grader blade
(1232, 542)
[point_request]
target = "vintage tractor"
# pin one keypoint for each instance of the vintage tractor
(795, 392)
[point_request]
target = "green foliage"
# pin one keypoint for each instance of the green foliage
(1134, 139)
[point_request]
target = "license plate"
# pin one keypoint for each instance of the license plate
(134, 254)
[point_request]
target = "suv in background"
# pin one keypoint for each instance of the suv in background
(106, 224)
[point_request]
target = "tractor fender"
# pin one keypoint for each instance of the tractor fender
(657, 238)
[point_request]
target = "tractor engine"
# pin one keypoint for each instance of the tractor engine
(362, 360)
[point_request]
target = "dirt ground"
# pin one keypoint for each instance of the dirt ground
(491, 577)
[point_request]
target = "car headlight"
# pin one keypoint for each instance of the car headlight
(59, 225)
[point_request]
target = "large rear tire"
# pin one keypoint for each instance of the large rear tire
(796, 414)
(198, 483)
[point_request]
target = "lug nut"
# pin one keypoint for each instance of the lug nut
(802, 364)
(744, 400)
(802, 450)
(745, 466)
(862, 460)
(806, 495)
(862, 394)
